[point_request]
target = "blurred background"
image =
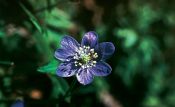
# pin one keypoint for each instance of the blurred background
(143, 32)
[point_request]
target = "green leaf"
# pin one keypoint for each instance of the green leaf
(54, 37)
(129, 35)
(50, 67)
(60, 86)
(43, 46)
(153, 101)
(58, 19)
(2, 34)
(146, 15)
(32, 18)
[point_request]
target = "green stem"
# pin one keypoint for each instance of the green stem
(69, 91)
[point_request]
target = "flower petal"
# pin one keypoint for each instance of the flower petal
(90, 39)
(66, 69)
(63, 54)
(106, 49)
(101, 69)
(84, 76)
(69, 43)
(18, 103)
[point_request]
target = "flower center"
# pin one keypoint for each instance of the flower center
(85, 57)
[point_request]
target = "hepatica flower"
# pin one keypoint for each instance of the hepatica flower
(18, 103)
(84, 60)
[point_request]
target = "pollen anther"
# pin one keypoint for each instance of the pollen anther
(85, 57)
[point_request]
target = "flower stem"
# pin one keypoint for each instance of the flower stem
(69, 91)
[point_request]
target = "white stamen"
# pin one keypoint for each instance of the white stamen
(94, 62)
(80, 64)
(85, 57)
(83, 66)
(92, 50)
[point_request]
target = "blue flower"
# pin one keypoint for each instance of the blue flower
(84, 60)
(18, 103)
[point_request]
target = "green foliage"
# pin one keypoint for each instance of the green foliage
(58, 19)
(146, 15)
(60, 87)
(129, 37)
(50, 68)
(11, 42)
(1, 34)
(32, 19)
